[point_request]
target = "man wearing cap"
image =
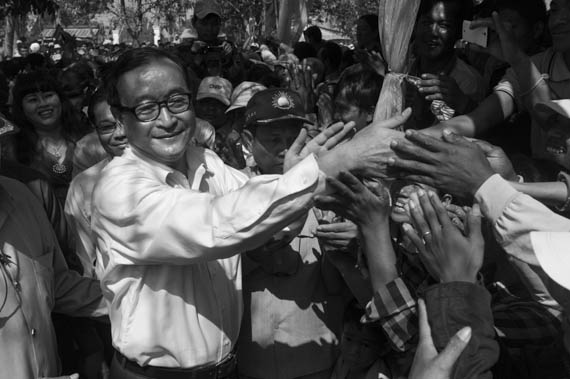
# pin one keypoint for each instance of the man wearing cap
(35, 281)
(171, 219)
(212, 100)
(292, 307)
(210, 52)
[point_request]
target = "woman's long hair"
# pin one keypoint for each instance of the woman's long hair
(27, 140)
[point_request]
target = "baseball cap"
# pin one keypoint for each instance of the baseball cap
(215, 87)
(202, 8)
(562, 107)
(274, 105)
(242, 93)
(552, 249)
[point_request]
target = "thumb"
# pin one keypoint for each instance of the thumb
(451, 137)
(397, 120)
(454, 348)
(499, 26)
(299, 142)
(474, 224)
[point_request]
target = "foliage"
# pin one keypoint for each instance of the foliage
(81, 11)
(23, 7)
(343, 13)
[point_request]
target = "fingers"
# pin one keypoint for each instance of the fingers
(415, 238)
(430, 215)
(418, 218)
(498, 25)
(340, 188)
(329, 203)
(482, 23)
(487, 148)
(339, 227)
(352, 182)
(395, 121)
(299, 142)
(425, 329)
(454, 348)
(339, 136)
(426, 141)
(474, 224)
(449, 136)
(441, 212)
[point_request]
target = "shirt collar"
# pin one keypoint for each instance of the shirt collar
(174, 178)
(560, 71)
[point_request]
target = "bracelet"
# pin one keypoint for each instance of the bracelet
(540, 80)
(566, 204)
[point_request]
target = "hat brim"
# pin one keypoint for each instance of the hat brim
(237, 106)
(286, 117)
(221, 99)
(561, 107)
(205, 13)
(552, 249)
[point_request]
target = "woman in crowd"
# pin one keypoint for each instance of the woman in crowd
(50, 128)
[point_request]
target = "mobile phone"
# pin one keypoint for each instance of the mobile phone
(478, 36)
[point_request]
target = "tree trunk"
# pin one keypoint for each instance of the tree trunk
(9, 29)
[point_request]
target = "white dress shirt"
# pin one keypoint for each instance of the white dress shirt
(168, 245)
(78, 214)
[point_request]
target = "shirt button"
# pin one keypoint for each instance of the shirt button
(17, 285)
(33, 332)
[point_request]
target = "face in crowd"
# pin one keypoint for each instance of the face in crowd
(271, 142)
(42, 109)
(162, 135)
(111, 133)
(437, 30)
(559, 24)
(208, 27)
(213, 111)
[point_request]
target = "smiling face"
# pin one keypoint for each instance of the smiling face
(42, 110)
(111, 135)
(437, 31)
(559, 24)
(165, 139)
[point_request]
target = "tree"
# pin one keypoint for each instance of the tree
(343, 13)
(14, 13)
(135, 15)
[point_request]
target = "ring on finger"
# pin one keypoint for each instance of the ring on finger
(426, 234)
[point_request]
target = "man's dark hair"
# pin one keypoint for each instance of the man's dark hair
(132, 59)
(331, 54)
(313, 33)
(532, 11)
(371, 20)
(99, 96)
(464, 8)
(304, 50)
(359, 86)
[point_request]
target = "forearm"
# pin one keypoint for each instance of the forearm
(377, 246)
(552, 193)
(534, 88)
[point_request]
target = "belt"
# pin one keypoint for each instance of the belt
(223, 369)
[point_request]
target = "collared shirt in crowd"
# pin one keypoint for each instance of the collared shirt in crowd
(34, 282)
(167, 246)
(78, 214)
(290, 315)
(557, 75)
(514, 216)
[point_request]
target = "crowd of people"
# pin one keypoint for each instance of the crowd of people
(205, 210)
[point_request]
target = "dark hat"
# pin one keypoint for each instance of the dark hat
(202, 8)
(274, 104)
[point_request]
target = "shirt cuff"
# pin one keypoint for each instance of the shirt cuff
(389, 300)
(494, 195)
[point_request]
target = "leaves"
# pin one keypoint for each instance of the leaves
(23, 7)
(343, 13)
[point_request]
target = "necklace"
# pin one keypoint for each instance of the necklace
(58, 167)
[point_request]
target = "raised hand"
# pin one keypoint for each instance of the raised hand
(323, 142)
(445, 88)
(428, 364)
(448, 254)
(453, 164)
(505, 48)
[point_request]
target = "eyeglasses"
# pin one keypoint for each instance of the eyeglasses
(107, 128)
(150, 111)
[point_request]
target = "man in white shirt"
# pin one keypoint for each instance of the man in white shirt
(170, 221)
